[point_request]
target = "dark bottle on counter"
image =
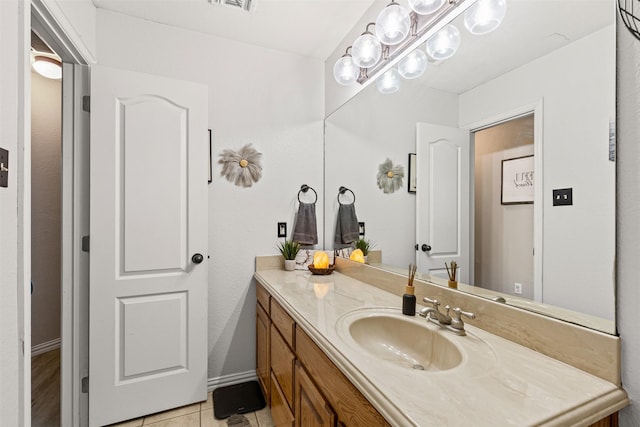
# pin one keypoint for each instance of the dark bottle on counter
(409, 301)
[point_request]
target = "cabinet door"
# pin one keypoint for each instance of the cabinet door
(282, 364)
(263, 350)
(280, 412)
(312, 410)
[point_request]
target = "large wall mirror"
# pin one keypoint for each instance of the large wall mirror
(515, 163)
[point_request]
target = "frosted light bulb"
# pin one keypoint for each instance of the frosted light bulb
(345, 71)
(389, 82)
(366, 50)
(393, 24)
(425, 7)
(413, 65)
(444, 43)
(485, 16)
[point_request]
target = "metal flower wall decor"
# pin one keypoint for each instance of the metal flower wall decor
(241, 167)
(390, 176)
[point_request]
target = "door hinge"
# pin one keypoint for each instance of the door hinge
(86, 103)
(85, 243)
(85, 385)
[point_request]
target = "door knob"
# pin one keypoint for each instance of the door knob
(197, 258)
(425, 247)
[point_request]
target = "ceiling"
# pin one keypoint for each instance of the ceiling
(311, 28)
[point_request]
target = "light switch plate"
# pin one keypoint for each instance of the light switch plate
(4, 168)
(563, 197)
(282, 229)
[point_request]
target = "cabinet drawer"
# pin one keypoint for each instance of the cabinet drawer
(282, 365)
(351, 407)
(280, 412)
(263, 297)
(283, 322)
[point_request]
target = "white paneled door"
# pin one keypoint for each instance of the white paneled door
(148, 245)
(442, 212)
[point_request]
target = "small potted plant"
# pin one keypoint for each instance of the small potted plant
(364, 245)
(289, 250)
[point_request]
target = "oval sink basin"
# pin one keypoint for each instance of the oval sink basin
(403, 341)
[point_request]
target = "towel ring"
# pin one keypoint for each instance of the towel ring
(303, 189)
(343, 190)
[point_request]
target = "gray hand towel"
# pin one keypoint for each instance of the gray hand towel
(347, 229)
(305, 231)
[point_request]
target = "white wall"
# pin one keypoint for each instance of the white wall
(361, 135)
(265, 97)
(77, 19)
(14, 229)
(578, 105)
(628, 212)
(46, 120)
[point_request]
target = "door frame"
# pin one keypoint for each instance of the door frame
(74, 281)
(535, 108)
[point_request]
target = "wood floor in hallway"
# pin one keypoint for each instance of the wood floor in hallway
(45, 389)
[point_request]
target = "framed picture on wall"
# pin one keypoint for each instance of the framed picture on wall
(411, 182)
(517, 181)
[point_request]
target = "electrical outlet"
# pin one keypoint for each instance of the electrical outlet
(282, 229)
(517, 288)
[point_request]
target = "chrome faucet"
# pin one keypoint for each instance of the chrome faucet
(434, 314)
(453, 323)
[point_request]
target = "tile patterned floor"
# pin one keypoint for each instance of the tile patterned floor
(196, 415)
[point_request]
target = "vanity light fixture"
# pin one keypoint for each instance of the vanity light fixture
(485, 16)
(630, 17)
(399, 31)
(47, 65)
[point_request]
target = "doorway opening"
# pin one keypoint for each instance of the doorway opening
(46, 237)
(503, 237)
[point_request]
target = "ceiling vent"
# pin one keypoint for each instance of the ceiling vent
(248, 5)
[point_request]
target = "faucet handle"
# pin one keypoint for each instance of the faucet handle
(433, 302)
(447, 308)
(458, 313)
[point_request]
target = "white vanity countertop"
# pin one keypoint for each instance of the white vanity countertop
(504, 384)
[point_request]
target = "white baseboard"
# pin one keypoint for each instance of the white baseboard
(45, 346)
(225, 380)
